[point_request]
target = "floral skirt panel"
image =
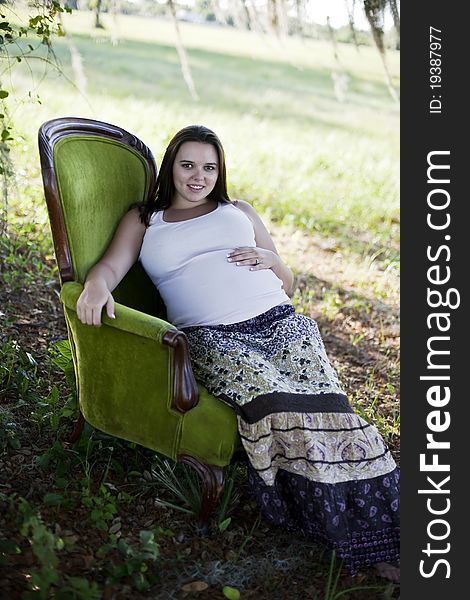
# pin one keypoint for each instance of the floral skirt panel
(315, 466)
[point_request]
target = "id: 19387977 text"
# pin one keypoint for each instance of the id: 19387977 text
(435, 70)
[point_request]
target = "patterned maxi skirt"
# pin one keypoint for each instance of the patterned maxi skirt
(314, 465)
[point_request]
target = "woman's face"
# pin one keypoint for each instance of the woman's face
(195, 173)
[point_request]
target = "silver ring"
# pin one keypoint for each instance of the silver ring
(257, 262)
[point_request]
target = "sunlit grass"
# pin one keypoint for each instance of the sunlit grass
(298, 154)
(324, 176)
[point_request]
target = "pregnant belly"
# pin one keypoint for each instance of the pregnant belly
(209, 288)
(213, 270)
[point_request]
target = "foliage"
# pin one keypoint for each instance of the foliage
(323, 176)
(325, 167)
(132, 562)
(231, 593)
(62, 357)
(374, 10)
(253, 19)
(102, 507)
(334, 572)
(178, 487)
(17, 371)
(20, 382)
(45, 545)
(180, 480)
(39, 29)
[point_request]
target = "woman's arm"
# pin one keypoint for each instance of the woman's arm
(110, 270)
(265, 250)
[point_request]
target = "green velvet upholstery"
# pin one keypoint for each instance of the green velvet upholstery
(209, 431)
(124, 372)
(124, 383)
(103, 178)
(98, 179)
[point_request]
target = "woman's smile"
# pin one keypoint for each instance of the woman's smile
(195, 173)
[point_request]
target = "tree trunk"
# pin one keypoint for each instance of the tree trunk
(115, 10)
(340, 76)
(299, 9)
(254, 17)
(220, 14)
(396, 19)
(247, 15)
(240, 15)
(77, 62)
(331, 31)
(185, 68)
(98, 24)
(6, 166)
(395, 14)
(374, 13)
(273, 23)
(282, 18)
(350, 9)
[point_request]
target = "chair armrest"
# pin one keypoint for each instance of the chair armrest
(185, 389)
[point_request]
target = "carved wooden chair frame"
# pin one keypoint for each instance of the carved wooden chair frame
(185, 390)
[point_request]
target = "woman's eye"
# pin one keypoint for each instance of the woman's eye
(187, 166)
(210, 168)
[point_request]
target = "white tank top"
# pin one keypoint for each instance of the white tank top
(187, 262)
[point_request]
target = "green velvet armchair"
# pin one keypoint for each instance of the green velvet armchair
(133, 374)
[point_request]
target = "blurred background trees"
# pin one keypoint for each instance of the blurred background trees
(27, 30)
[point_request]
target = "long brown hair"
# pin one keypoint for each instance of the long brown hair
(165, 187)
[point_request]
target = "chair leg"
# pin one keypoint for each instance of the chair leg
(213, 480)
(78, 429)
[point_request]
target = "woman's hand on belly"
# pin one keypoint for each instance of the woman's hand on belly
(257, 258)
(254, 257)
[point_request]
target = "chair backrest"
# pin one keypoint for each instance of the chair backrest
(92, 172)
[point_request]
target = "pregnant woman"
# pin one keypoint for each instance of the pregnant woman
(314, 466)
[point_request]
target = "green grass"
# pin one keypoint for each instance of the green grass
(293, 150)
(323, 174)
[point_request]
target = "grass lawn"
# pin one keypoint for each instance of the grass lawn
(292, 148)
(324, 176)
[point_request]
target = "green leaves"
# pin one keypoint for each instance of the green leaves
(81, 588)
(44, 25)
(47, 580)
(135, 560)
(231, 593)
(35, 21)
(6, 135)
(224, 524)
(63, 359)
(44, 545)
(53, 499)
(7, 548)
(102, 507)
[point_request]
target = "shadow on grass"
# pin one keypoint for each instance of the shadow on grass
(367, 312)
(267, 89)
